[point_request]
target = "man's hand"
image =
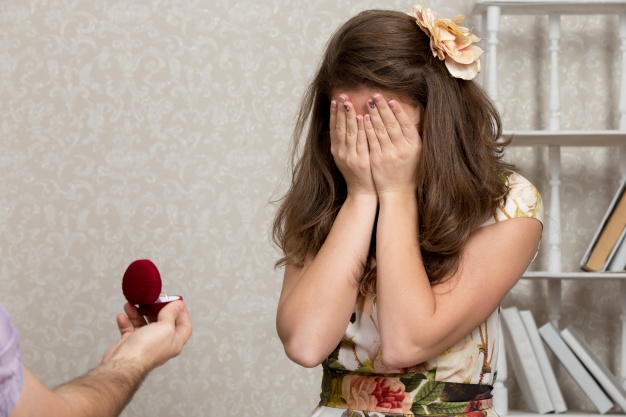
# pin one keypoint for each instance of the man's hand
(107, 389)
(151, 345)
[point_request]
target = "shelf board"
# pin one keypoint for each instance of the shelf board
(573, 275)
(535, 7)
(566, 137)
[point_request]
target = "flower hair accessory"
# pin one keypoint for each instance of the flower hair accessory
(450, 42)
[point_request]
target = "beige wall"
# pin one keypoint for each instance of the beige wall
(159, 129)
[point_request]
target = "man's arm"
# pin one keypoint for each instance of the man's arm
(107, 389)
(104, 391)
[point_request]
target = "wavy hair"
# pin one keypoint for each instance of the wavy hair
(461, 173)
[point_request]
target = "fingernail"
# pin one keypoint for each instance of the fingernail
(377, 98)
(333, 104)
(345, 106)
(371, 104)
(342, 98)
(393, 104)
(367, 118)
(359, 119)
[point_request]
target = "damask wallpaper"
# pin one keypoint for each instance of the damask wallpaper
(160, 129)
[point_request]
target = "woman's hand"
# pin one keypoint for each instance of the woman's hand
(395, 146)
(348, 145)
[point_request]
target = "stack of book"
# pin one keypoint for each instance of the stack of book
(528, 356)
(607, 250)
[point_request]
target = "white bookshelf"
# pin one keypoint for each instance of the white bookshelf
(553, 140)
(544, 7)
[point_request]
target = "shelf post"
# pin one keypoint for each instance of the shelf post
(622, 126)
(622, 94)
(500, 391)
(554, 160)
(491, 22)
(554, 34)
(622, 286)
(554, 234)
(493, 25)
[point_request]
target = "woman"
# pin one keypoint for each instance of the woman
(403, 229)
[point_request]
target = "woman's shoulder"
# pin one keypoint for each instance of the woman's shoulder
(522, 200)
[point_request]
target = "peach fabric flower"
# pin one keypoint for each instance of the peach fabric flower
(450, 42)
(375, 394)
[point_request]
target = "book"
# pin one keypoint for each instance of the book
(554, 391)
(617, 261)
(575, 368)
(594, 365)
(527, 371)
(608, 235)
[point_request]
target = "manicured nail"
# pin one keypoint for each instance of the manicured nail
(393, 104)
(359, 119)
(371, 104)
(367, 118)
(333, 104)
(345, 106)
(378, 98)
(342, 98)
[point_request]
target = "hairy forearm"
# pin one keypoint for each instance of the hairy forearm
(104, 391)
(316, 311)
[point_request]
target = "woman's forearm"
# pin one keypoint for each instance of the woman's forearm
(313, 316)
(404, 294)
(417, 320)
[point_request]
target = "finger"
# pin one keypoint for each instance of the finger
(387, 116)
(408, 129)
(340, 122)
(377, 122)
(333, 117)
(124, 325)
(176, 315)
(361, 138)
(372, 139)
(333, 112)
(351, 126)
(183, 324)
(135, 318)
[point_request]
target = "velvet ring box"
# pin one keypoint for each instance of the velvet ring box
(142, 286)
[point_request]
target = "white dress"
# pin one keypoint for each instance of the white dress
(459, 381)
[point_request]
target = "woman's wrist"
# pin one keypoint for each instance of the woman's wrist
(398, 195)
(362, 197)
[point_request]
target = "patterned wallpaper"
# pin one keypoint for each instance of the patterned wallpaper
(160, 129)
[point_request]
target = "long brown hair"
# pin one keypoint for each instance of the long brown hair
(461, 174)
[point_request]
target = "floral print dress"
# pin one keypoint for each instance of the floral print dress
(356, 383)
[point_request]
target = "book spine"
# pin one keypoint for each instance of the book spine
(552, 385)
(574, 367)
(617, 261)
(525, 366)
